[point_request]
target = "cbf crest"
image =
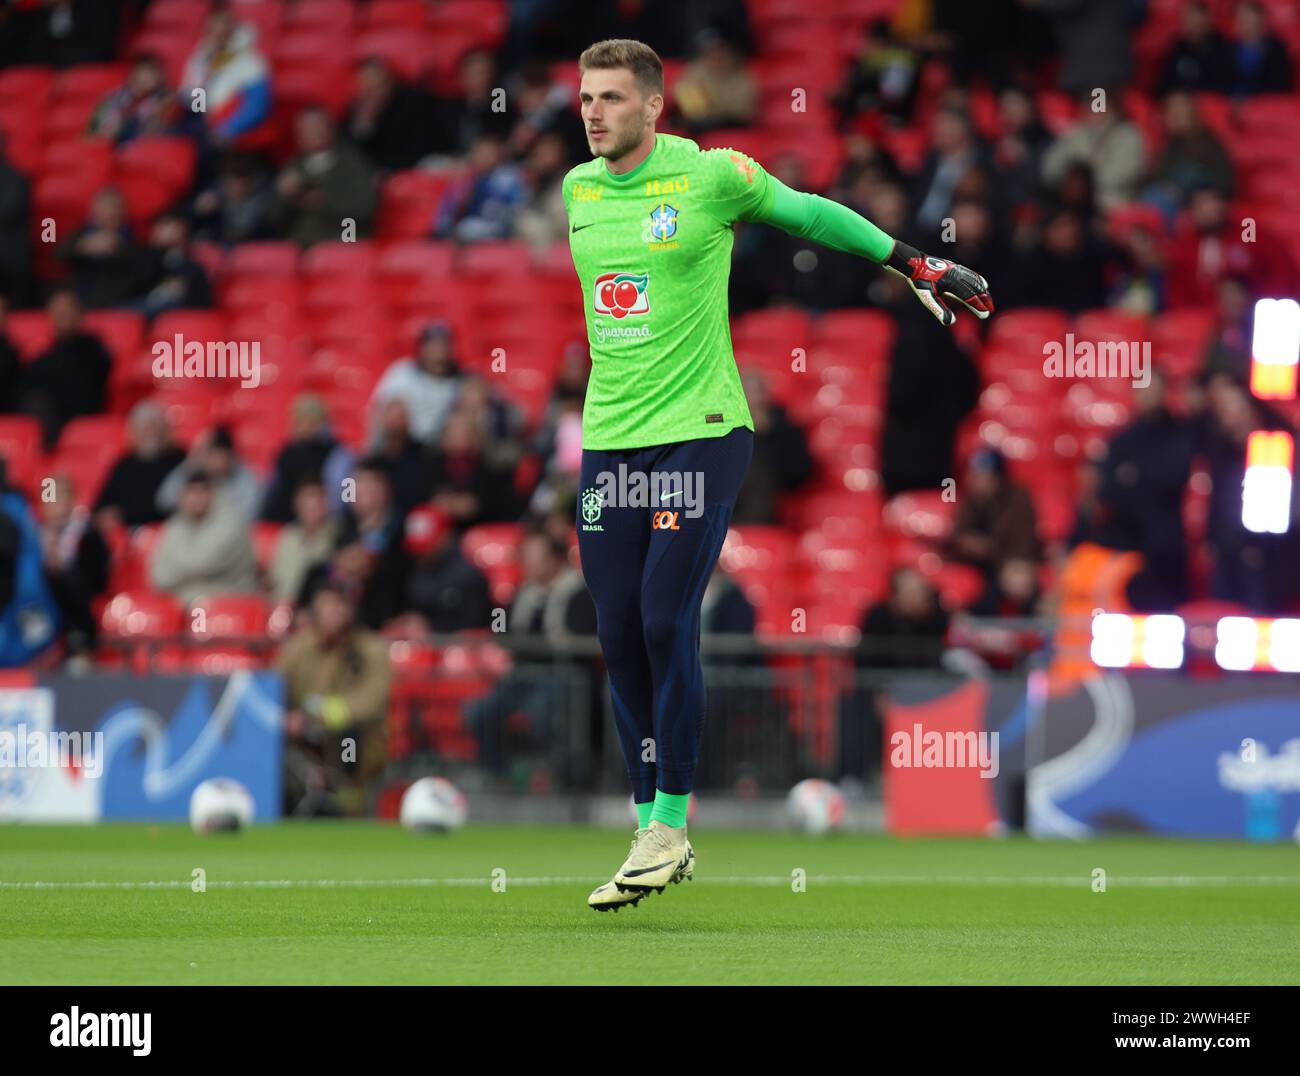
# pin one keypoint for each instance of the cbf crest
(591, 504)
(663, 222)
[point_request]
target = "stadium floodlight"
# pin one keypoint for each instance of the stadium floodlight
(1266, 489)
(1236, 644)
(1162, 641)
(1122, 641)
(1112, 640)
(1248, 643)
(1284, 645)
(1275, 349)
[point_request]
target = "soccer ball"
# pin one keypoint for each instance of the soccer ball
(816, 806)
(433, 804)
(220, 804)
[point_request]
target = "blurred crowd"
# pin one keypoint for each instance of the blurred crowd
(945, 141)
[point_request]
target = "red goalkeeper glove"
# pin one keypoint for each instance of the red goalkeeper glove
(932, 277)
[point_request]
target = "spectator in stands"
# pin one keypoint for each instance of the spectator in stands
(368, 560)
(337, 679)
(976, 235)
(1105, 140)
(306, 542)
(15, 251)
(237, 209)
(883, 78)
(1139, 497)
(64, 33)
(1200, 60)
(1260, 571)
(235, 82)
(1069, 266)
(327, 183)
(781, 462)
(11, 366)
(470, 112)
(544, 220)
(466, 484)
(1142, 284)
(129, 496)
(76, 563)
(995, 520)
(1192, 158)
(545, 111)
(1260, 63)
(312, 451)
(725, 610)
(774, 267)
(1012, 592)
(908, 629)
(1095, 39)
(405, 458)
(482, 203)
(444, 591)
(933, 385)
(205, 547)
(1209, 246)
(558, 440)
(499, 422)
(232, 484)
(71, 377)
(427, 384)
(106, 262)
(174, 279)
(716, 89)
(1229, 347)
(29, 616)
(552, 604)
(390, 120)
(144, 106)
(954, 153)
(1018, 152)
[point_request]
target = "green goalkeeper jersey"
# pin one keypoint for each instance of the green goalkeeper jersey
(653, 252)
(652, 248)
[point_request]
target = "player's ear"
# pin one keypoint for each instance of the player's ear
(654, 106)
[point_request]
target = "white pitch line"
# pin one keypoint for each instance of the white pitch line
(1080, 881)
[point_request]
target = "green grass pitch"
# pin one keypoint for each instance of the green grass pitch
(369, 903)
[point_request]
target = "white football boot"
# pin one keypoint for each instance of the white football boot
(609, 897)
(660, 856)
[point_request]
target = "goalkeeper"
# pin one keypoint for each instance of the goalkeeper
(666, 432)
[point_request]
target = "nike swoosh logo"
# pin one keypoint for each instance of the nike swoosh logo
(579, 227)
(648, 870)
(675, 493)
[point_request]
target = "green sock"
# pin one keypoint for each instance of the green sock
(670, 809)
(643, 814)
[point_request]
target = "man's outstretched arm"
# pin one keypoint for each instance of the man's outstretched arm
(836, 226)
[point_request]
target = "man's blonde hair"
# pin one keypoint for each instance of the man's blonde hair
(640, 59)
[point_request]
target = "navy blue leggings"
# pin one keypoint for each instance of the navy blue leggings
(647, 555)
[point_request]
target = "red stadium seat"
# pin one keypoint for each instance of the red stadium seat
(321, 14)
(920, 514)
(27, 86)
(271, 258)
(493, 548)
(21, 442)
(395, 15)
(120, 331)
(146, 614)
(340, 259)
(89, 82)
(406, 50)
(168, 159)
(227, 616)
(30, 332)
(100, 435)
(408, 202)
